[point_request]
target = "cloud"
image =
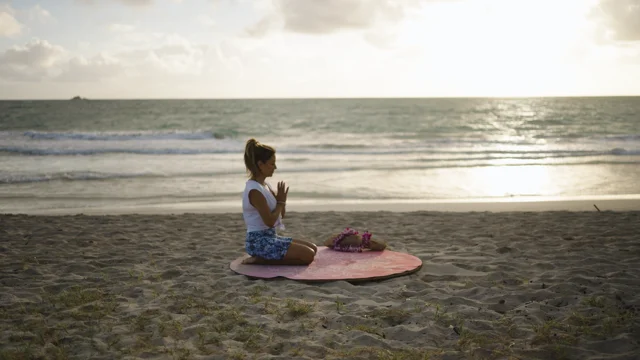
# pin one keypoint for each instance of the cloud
(173, 59)
(30, 62)
(81, 69)
(621, 19)
(136, 2)
(40, 60)
(125, 2)
(206, 21)
(263, 27)
(328, 16)
(380, 39)
(121, 28)
(37, 13)
(9, 25)
(140, 57)
(169, 54)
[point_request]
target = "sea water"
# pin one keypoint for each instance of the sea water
(93, 154)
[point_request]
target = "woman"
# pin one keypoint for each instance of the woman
(263, 210)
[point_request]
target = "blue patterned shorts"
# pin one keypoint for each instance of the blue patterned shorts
(267, 244)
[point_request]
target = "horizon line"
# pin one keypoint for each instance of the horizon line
(325, 98)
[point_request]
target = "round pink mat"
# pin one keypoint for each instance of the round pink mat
(330, 265)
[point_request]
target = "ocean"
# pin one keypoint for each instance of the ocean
(106, 154)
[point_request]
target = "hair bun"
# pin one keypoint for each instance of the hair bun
(254, 152)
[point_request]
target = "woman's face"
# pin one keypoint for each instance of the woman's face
(267, 168)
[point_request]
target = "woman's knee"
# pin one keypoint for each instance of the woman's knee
(301, 253)
(308, 244)
(308, 255)
(303, 242)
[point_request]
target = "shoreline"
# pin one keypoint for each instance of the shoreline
(531, 204)
(557, 96)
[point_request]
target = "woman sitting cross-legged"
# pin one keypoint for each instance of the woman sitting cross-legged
(263, 210)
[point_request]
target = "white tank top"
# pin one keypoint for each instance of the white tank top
(250, 214)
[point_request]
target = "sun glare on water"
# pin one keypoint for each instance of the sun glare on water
(513, 181)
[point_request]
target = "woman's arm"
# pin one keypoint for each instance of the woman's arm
(260, 203)
(284, 206)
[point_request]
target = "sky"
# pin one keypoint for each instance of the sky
(121, 49)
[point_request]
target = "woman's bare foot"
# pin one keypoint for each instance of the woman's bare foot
(254, 260)
(250, 260)
(260, 261)
(314, 248)
(377, 246)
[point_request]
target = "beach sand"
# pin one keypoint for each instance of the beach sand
(523, 285)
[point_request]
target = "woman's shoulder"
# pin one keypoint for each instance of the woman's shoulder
(252, 184)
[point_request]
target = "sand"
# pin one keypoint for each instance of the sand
(522, 285)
